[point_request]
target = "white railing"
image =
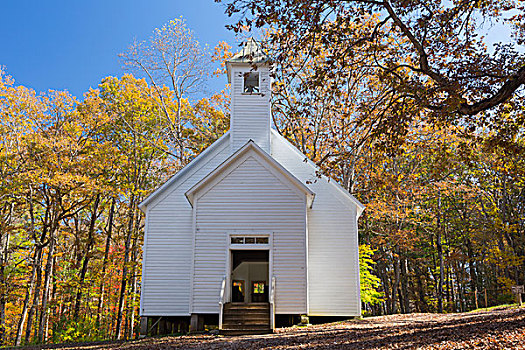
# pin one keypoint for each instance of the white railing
(222, 301)
(272, 304)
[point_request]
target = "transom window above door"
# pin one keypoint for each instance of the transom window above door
(249, 240)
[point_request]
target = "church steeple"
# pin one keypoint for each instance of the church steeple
(249, 75)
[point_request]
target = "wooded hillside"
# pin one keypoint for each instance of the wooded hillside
(444, 228)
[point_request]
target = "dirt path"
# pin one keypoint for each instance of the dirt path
(494, 329)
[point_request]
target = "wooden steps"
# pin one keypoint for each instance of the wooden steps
(243, 319)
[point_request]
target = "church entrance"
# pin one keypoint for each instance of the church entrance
(249, 276)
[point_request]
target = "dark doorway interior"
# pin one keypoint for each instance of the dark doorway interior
(249, 276)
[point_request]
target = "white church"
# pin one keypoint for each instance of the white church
(247, 235)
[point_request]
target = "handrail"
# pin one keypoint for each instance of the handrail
(221, 301)
(272, 304)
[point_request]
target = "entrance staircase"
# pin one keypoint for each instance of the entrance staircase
(246, 318)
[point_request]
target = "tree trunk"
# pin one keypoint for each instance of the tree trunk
(87, 256)
(22, 320)
(441, 273)
(33, 312)
(134, 274)
(124, 280)
(422, 307)
(105, 261)
(44, 312)
(29, 292)
(4, 257)
(134, 298)
(472, 267)
(404, 286)
(452, 291)
(386, 286)
(461, 290)
(439, 248)
(395, 286)
(53, 296)
(3, 298)
(47, 284)
(179, 130)
(37, 268)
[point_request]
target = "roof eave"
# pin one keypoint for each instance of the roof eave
(360, 206)
(310, 200)
(144, 204)
(190, 194)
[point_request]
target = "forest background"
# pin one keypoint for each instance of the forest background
(410, 112)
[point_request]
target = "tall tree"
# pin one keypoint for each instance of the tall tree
(432, 52)
(176, 66)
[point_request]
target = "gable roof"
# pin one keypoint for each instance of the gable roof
(345, 194)
(251, 147)
(185, 170)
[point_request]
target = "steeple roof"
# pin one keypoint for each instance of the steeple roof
(250, 53)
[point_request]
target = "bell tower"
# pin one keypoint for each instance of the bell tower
(249, 75)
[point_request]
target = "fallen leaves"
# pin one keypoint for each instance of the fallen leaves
(502, 328)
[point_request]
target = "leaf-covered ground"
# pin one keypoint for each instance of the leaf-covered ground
(502, 328)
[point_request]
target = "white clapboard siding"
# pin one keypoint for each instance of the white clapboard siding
(250, 113)
(250, 198)
(166, 275)
(333, 259)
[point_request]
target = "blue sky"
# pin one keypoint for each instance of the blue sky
(72, 44)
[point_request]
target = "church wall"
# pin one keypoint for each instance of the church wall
(250, 199)
(333, 258)
(167, 257)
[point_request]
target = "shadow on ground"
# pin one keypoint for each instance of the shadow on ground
(494, 329)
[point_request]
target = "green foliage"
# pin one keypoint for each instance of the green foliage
(369, 282)
(83, 330)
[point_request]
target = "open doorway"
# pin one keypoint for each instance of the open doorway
(250, 276)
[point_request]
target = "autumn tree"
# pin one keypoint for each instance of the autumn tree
(72, 174)
(133, 110)
(16, 103)
(333, 123)
(175, 65)
(432, 53)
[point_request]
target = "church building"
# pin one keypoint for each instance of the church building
(247, 233)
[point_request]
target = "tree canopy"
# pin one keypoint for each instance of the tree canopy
(432, 56)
